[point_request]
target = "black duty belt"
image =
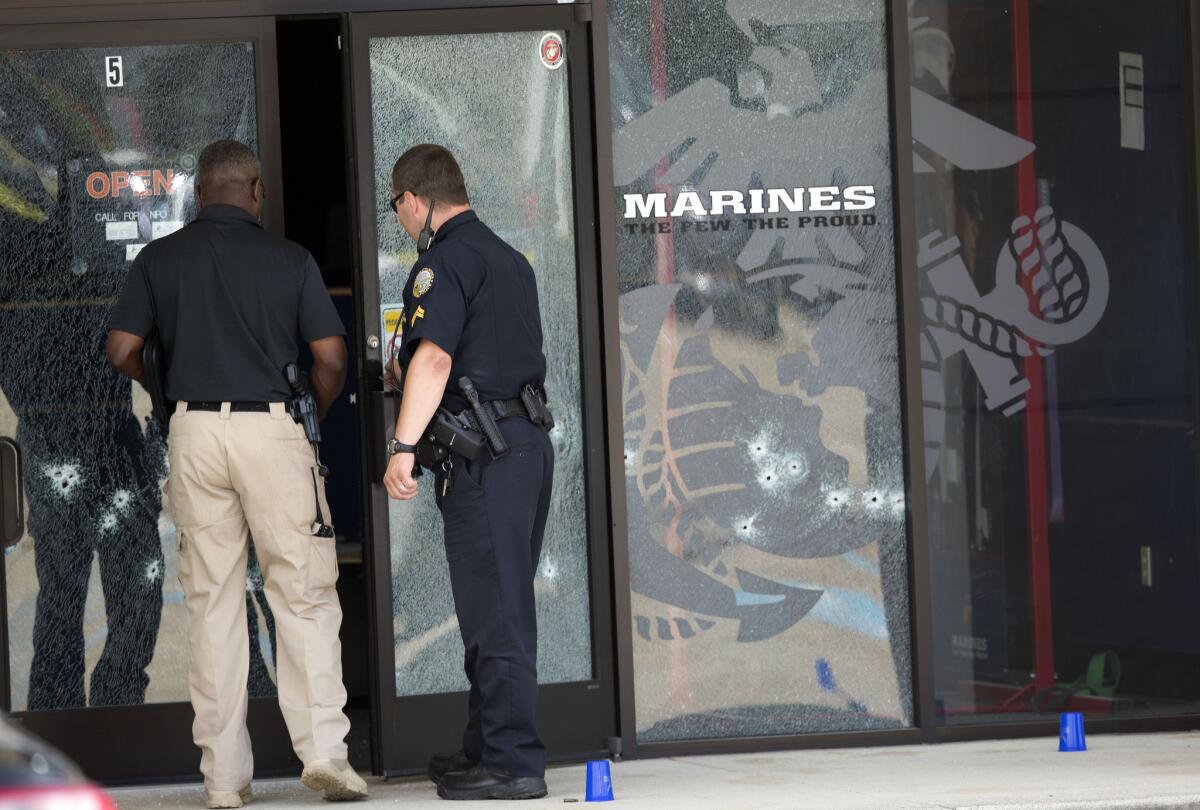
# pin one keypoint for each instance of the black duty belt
(257, 407)
(505, 408)
(498, 409)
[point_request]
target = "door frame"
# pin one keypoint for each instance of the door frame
(591, 704)
(156, 737)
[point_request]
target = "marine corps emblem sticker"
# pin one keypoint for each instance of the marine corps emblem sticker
(551, 50)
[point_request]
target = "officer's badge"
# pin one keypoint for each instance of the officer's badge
(423, 282)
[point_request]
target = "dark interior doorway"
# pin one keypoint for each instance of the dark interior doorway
(316, 160)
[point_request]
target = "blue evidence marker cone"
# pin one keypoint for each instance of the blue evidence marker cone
(599, 781)
(1070, 732)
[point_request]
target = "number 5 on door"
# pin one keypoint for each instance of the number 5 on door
(114, 71)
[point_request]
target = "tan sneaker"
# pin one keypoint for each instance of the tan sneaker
(217, 799)
(335, 779)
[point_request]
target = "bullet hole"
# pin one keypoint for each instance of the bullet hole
(796, 467)
(768, 479)
(760, 446)
(837, 499)
(63, 479)
(744, 528)
(153, 570)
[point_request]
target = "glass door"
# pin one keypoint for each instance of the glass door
(507, 93)
(100, 129)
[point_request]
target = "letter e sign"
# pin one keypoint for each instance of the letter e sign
(114, 71)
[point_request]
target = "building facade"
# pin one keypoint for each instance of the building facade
(871, 333)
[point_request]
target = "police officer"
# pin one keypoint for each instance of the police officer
(230, 302)
(471, 311)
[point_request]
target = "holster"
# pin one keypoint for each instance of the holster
(446, 434)
(536, 407)
(303, 409)
(465, 434)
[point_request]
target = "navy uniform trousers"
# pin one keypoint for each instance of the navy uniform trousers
(495, 516)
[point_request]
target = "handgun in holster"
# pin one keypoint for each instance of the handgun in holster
(446, 434)
(302, 407)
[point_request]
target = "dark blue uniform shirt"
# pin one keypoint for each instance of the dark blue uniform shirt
(475, 297)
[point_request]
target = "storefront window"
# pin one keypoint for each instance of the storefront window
(1055, 219)
(763, 457)
(97, 149)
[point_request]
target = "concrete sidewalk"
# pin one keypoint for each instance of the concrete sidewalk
(1129, 771)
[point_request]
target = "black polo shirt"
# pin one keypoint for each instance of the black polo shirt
(231, 302)
(475, 297)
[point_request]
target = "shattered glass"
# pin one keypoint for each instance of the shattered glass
(762, 413)
(95, 163)
(506, 116)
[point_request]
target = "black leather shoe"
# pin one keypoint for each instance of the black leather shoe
(484, 783)
(442, 764)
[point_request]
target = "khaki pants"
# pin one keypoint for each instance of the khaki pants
(233, 474)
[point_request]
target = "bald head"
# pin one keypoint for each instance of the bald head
(228, 173)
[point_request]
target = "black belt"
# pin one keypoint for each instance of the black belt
(504, 408)
(258, 407)
(500, 408)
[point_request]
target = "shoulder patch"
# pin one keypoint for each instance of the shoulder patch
(423, 282)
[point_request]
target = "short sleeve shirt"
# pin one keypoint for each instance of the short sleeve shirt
(231, 303)
(475, 297)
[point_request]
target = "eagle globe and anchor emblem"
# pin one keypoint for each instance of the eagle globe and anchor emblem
(715, 524)
(551, 51)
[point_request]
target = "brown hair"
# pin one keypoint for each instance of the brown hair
(431, 172)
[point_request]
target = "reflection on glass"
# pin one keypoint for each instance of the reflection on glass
(1057, 360)
(505, 116)
(88, 174)
(762, 414)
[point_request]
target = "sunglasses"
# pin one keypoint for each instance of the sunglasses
(397, 199)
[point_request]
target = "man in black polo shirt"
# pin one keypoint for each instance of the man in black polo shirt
(231, 302)
(471, 310)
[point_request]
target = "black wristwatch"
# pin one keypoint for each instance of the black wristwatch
(395, 446)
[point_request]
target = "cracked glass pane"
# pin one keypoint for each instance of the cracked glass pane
(763, 446)
(506, 117)
(96, 149)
